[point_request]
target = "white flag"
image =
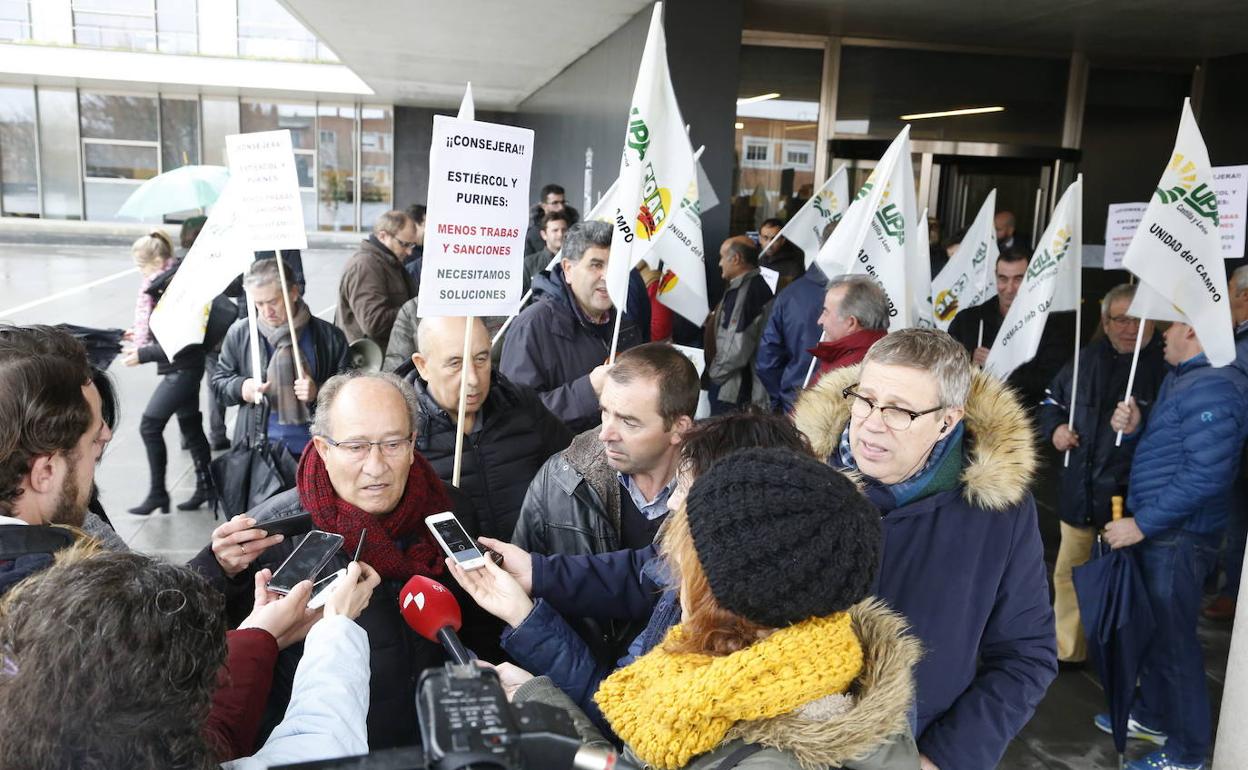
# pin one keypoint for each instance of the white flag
(873, 233)
(682, 287)
(805, 228)
(1050, 285)
(656, 161)
(220, 253)
(467, 110)
(969, 278)
(1176, 252)
(919, 275)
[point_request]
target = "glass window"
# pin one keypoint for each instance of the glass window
(220, 119)
(19, 178)
(777, 125)
(113, 116)
(179, 133)
(266, 30)
(107, 160)
(60, 182)
(128, 24)
(176, 26)
(15, 20)
(879, 85)
(376, 163)
(336, 155)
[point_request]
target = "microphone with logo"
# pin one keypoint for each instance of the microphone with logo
(466, 722)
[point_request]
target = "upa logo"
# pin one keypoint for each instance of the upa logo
(946, 306)
(1049, 259)
(655, 203)
(827, 205)
(1202, 199)
(638, 134)
(668, 282)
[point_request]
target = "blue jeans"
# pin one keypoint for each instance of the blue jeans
(1173, 694)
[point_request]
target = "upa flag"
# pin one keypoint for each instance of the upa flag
(220, 253)
(682, 287)
(969, 278)
(656, 161)
(873, 235)
(805, 228)
(1051, 284)
(1176, 252)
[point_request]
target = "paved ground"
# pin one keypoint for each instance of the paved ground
(96, 286)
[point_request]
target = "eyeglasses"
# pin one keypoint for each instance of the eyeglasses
(894, 417)
(358, 450)
(1123, 320)
(405, 244)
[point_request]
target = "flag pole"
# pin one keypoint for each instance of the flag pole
(615, 335)
(1074, 380)
(980, 342)
(813, 360)
(290, 315)
(1135, 360)
(464, 363)
(254, 334)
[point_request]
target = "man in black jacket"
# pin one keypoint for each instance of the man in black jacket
(362, 474)
(322, 348)
(551, 200)
(508, 433)
(1098, 470)
(559, 345)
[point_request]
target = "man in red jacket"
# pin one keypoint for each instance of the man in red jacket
(855, 315)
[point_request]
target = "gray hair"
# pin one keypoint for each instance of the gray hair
(391, 222)
(330, 389)
(583, 236)
(1121, 291)
(864, 300)
(1239, 279)
(263, 272)
(929, 350)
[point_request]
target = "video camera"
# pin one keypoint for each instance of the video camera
(466, 723)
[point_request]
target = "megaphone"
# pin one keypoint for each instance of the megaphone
(366, 355)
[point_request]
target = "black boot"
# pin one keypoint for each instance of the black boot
(205, 491)
(155, 499)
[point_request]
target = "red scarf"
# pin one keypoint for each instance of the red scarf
(423, 496)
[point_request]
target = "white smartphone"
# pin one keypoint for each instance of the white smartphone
(454, 540)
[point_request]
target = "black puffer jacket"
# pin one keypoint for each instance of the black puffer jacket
(1098, 470)
(398, 654)
(516, 435)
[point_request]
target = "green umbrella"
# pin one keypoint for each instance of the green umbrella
(183, 189)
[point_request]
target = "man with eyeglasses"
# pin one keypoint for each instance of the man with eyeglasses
(361, 474)
(1098, 470)
(946, 454)
(374, 283)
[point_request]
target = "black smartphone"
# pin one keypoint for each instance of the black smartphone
(306, 561)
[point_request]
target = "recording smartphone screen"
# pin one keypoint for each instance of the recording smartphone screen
(306, 561)
(456, 541)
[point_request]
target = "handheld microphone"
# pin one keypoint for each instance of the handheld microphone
(432, 612)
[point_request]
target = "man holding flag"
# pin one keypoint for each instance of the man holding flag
(1189, 452)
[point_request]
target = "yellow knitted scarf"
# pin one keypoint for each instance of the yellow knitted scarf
(670, 708)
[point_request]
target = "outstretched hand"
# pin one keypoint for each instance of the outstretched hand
(287, 617)
(494, 590)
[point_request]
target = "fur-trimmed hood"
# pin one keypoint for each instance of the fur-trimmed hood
(882, 695)
(1000, 443)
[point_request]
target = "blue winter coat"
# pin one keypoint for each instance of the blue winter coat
(1190, 450)
(966, 568)
(792, 329)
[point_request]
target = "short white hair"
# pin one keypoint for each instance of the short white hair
(932, 351)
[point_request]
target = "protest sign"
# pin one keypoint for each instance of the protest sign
(270, 210)
(477, 217)
(1231, 182)
(1120, 227)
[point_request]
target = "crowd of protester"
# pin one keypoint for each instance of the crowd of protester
(840, 566)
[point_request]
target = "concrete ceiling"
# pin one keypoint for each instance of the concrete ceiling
(1136, 29)
(422, 53)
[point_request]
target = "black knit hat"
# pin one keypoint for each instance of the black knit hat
(783, 537)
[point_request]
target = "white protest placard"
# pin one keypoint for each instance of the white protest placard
(217, 257)
(477, 217)
(1120, 226)
(1231, 184)
(270, 209)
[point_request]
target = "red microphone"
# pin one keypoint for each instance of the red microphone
(432, 612)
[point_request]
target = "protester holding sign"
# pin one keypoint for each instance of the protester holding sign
(374, 283)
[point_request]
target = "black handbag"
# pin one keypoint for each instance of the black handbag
(254, 469)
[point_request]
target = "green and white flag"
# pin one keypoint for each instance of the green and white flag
(877, 232)
(805, 228)
(969, 278)
(1176, 252)
(656, 161)
(1051, 285)
(682, 286)
(919, 275)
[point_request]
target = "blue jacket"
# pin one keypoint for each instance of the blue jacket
(792, 329)
(966, 568)
(1190, 449)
